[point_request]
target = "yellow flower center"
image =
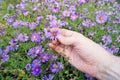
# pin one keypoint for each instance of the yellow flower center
(101, 18)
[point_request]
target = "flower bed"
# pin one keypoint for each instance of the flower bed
(24, 33)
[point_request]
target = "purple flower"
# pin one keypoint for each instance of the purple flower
(91, 34)
(13, 45)
(86, 23)
(101, 18)
(36, 70)
(28, 67)
(44, 57)
(81, 1)
(114, 49)
(10, 7)
(53, 57)
(10, 20)
(32, 25)
(107, 39)
(89, 77)
(35, 37)
(5, 58)
(51, 17)
(39, 19)
(55, 24)
(2, 31)
(18, 24)
(1, 51)
(49, 77)
(51, 35)
(66, 13)
(56, 9)
(56, 67)
(7, 50)
(22, 37)
(118, 39)
(25, 12)
(32, 52)
(39, 50)
(74, 16)
(36, 62)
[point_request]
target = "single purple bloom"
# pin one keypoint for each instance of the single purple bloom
(36, 62)
(107, 39)
(55, 24)
(51, 17)
(39, 50)
(1, 67)
(74, 16)
(18, 24)
(101, 18)
(22, 37)
(53, 57)
(86, 23)
(91, 34)
(13, 41)
(7, 50)
(5, 58)
(35, 37)
(46, 24)
(14, 47)
(66, 13)
(10, 20)
(114, 49)
(2, 31)
(44, 57)
(32, 25)
(56, 67)
(25, 12)
(28, 67)
(118, 39)
(32, 52)
(10, 7)
(1, 51)
(49, 77)
(56, 9)
(81, 1)
(36, 70)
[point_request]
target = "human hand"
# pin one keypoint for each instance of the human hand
(83, 53)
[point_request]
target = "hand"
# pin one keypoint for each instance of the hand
(83, 53)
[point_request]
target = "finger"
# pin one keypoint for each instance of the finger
(64, 32)
(66, 40)
(52, 46)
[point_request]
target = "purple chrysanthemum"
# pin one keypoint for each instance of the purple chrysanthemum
(32, 25)
(36, 62)
(7, 50)
(1, 51)
(101, 18)
(51, 35)
(13, 45)
(2, 31)
(35, 37)
(53, 57)
(22, 37)
(32, 52)
(56, 67)
(55, 24)
(51, 17)
(74, 16)
(66, 13)
(18, 24)
(114, 49)
(118, 39)
(89, 77)
(44, 57)
(107, 39)
(39, 50)
(36, 70)
(86, 23)
(81, 1)
(25, 12)
(28, 67)
(49, 77)
(5, 58)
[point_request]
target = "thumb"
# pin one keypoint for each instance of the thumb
(66, 40)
